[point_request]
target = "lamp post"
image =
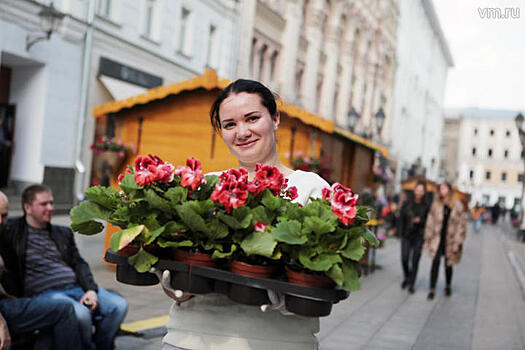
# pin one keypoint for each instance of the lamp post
(50, 19)
(519, 124)
(380, 121)
(353, 118)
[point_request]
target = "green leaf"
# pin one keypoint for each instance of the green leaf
(175, 227)
(354, 249)
(151, 221)
(193, 220)
(322, 262)
(87, 211)
(351, 278)
(87, 228)
(152, 235)
(261, 214)
(165, 244)
(201, 207)
(106, 197)
(128, 184)
(157, 202)
(217, 254)
(142, 261)
(336, 273)
(289, 232)
(259, 243)
(177, 195)
(318, 226)
(371, 238)
(217, 230)
(122, 238)
(270, 201)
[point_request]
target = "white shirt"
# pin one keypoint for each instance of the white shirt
(213, 322)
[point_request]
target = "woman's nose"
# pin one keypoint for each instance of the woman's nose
(243, 131)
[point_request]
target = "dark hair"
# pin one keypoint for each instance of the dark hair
(238, 86)
(29, 194)
(421, 183)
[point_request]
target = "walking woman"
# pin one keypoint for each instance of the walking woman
(445, 232)
(411, 229)
(246, 116)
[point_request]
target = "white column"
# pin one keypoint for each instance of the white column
(289, 47)
(360, 71)
(345, 80)
(314, 33)
(245, 41)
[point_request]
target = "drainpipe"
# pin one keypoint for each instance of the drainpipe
(82, 111)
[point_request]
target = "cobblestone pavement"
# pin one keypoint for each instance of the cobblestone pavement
(486, 309)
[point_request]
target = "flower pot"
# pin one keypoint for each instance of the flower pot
(307, 307)
(189, 282)
(309, 280)
(105, 164)
(128, 275)
(248, 295)
(246, 269)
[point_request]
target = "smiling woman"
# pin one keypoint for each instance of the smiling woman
(245, 114)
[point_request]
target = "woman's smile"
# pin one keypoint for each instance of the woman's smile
(247, 144)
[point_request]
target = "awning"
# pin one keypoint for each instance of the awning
(361, 140)
(119, 89)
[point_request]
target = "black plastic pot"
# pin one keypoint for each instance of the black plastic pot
(190, 283)
(248, 295)
(128, 275)
(307, 307)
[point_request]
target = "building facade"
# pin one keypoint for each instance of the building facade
(102, 50)
(325, 56)
(423, 59)
(490, 160)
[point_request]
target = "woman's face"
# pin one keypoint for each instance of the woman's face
(444, 190)
(419, 192)
(247, 128)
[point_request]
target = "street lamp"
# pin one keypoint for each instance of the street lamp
(380, 120)
(353, 118)
(519, 124)
(50, 19)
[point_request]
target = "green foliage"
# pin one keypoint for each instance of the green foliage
(143, 261)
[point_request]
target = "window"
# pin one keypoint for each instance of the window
(485, 198)
(473, 151)
(506, 154)
(503, 176)
(487, 175)
(520, 177)
(501, 201)
(507, 133)
(517, 201)
(471, 174)
(475, 131)
(273, 63)
(490, 153)
(185, 32)
(491, 132)
(262, 53)
(104, 8)
(149, 13)
(211, 52)
(522, 154)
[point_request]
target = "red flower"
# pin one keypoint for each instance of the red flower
(121, 176)
(267, 176)
(232, 191)
(152, 169)
(343, 202)
(191, 174)
(259, 226)
(291, 192)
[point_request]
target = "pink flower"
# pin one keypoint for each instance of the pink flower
(259, 226)
(121, 154)
(342, 201)
(232, 190)
(291, 192)
(152, 169)
(121, 176)
(191, 174)
(267, 176)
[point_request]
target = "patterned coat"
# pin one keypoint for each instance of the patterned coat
(456, 230)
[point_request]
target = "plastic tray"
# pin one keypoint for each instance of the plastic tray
(305, 301)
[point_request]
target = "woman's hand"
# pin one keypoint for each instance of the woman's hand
(425, 246)
(90, 300)
(165, 282)
(5, 337)
(277, 303)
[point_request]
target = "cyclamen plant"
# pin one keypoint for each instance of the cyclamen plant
(229, 217)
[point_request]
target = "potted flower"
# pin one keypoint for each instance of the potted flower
(109, 155)
(319, 165)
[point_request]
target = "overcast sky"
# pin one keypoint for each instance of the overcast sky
(488, 53)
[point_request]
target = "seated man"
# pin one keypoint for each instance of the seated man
(29, 314)
(46, 261)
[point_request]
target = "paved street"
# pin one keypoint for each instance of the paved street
(485, 311)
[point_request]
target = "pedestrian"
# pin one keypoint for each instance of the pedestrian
(246, 116)
(495, 211)
(56, 322)
(411, 229)
(477, 215)
(45, 262)
(445, 232)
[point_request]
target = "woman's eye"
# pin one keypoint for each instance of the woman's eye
(228, 125)
(253, 119)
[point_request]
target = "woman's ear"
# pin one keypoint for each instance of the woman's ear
(276, 120)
